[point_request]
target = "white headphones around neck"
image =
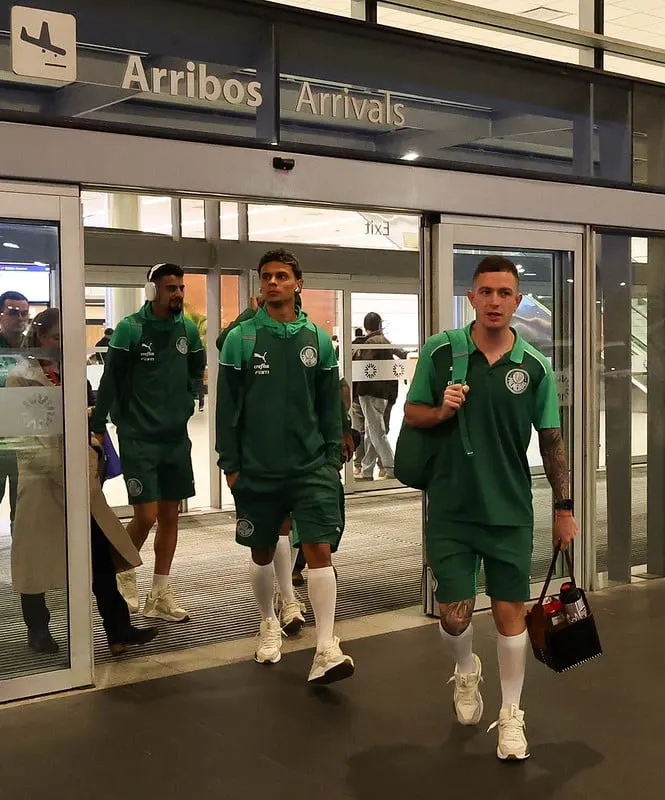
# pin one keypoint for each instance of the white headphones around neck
(150, 288)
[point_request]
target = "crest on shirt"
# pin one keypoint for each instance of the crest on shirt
(244, 528)
(309, 356)
(517, 380)
(182, 345)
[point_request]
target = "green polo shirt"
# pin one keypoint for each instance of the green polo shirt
(505, 402)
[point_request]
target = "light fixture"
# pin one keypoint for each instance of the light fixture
(623, 283)
(529, 274)
(40, 263)
(411, 155)
(570, 280)
(11, 245)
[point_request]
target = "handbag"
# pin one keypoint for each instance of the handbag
(418, 448)
(556, 642)
(113, 466)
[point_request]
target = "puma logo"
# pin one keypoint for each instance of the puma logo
(147, 346)
(262, 358)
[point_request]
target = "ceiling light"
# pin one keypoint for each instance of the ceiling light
(570, 280)
(529, 274)
(40, 263)
(410, 155)
(11, 245)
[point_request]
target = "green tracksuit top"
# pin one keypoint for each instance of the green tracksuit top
(249, 313)
(151, 377)
(278, 399)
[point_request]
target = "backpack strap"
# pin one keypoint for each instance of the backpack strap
(248, 339)
(460, 355)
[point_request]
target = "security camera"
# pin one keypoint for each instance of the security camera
(284, 164)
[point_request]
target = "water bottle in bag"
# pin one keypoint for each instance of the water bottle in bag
(573, 603)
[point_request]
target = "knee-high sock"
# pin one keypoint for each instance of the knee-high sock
(462, 649)
(511, 652)
(263, 585)
(283, 562)
(322, 589)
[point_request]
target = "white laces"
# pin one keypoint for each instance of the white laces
(330, 650)
(511, 727)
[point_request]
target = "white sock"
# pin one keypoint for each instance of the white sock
(511, 651)
(263, 586)
(322, 590)
(462, 649)
(283, 562)
(160, 583)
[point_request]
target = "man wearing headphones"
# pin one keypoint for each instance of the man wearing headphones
(151, 380)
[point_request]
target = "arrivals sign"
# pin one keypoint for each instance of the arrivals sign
(44, 47)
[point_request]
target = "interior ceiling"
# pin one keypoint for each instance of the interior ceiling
(639, 21)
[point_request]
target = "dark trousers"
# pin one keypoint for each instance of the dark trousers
(112, 607)
(9, 472)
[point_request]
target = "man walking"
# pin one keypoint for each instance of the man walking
(279, 439)
(376, 399)
(480, 501)
(14, 317)
(154, 367)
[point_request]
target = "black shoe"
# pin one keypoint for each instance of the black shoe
(41, 641)
(297, 578)
(131, 636)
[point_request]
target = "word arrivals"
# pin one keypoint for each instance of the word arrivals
(344, 106)
(194, 82)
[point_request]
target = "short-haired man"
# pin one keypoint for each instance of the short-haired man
(151, 379)
(480, 505)
(14, 317)
(279, 439)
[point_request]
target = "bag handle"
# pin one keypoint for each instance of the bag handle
(550, 573)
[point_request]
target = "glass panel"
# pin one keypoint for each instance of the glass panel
(325, 308)
(130, 212)
(228, 220)
(475, 33)
(342, 228)
(385, 348)
(648, 130)
(545, 320)
(34, 636)
(443, 105)
(192, 218)
(631, 340)
(640, 21)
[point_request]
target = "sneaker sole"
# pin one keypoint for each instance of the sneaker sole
(267, 661)
(293, 627)
(501, 756)
(339, 672)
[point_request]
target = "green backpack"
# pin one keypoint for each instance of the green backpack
(418, 448)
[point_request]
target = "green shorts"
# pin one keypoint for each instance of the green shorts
(455, 551)
(312, 501)
(295, 536)
(157, 470)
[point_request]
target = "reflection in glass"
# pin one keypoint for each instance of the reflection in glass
(544, 319)
(33, 544)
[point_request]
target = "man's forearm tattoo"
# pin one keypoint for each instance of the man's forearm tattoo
(555, 462)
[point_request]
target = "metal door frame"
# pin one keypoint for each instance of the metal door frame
(61, 205)
(470, 231)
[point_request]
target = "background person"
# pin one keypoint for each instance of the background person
(14, 317)
(151, 381)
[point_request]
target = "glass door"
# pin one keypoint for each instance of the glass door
(45, 639)
(549, 262)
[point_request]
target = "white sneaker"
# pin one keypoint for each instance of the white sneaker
(330, 664)
(512, 745)
(164, 606)
(269, 650)
(292, 615)
(467, 699)
(128, 589)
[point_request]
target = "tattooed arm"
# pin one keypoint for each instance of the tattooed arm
(555, 464)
